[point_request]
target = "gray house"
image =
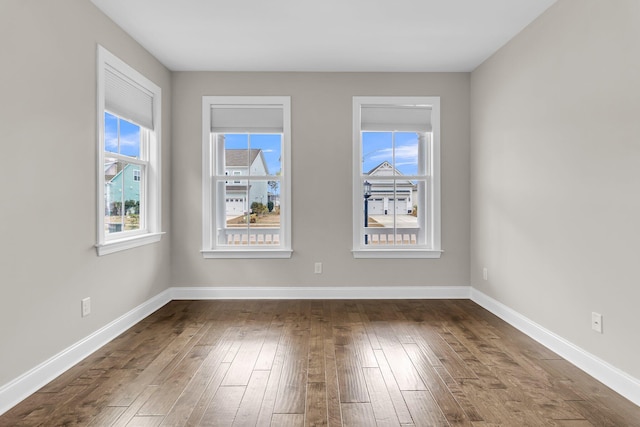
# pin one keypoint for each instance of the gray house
(241, 193)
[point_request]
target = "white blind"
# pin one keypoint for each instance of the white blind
(127, 99)
(407, 118)
(247, 118)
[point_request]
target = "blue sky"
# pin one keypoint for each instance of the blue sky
(378, 147)
(129, 143)
(270, 144)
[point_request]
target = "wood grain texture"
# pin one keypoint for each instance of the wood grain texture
(323, 363)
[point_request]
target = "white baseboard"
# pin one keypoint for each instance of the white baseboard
(28, 383)
(609, 375)
(324, 292)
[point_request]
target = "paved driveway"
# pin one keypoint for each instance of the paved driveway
(402, 221)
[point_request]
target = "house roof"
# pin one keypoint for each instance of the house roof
(382, 166)
(238, 156)
(386, 166)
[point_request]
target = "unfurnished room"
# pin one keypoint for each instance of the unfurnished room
(337, 213)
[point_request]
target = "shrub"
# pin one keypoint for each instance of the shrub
(258, 208)
(270, 206)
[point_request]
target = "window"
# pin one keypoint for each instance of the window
(396, 177)
(247, 138)
(128, 213)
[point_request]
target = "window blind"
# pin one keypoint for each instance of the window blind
(404, 118)
(127, 99)
(247, 119)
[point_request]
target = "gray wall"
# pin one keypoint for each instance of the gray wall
(555, 187)
(48, 174)
(321, 151)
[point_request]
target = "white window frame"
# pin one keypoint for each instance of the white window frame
(430, 204)
(150, 201)
(210, 249)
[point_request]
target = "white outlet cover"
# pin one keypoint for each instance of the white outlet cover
(596, 322)
(86, 307)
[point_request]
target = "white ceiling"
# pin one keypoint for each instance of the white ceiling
(325, 35)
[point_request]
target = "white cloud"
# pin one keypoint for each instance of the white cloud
(127, 140)
(405, 155)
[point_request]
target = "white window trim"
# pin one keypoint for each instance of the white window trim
(151, 231)
(209, 247)
(432, 203)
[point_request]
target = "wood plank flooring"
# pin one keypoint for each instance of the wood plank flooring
(323, 363)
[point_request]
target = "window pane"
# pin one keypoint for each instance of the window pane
(131, 192)
(252, 154)
(406, 153)
(121, 136)
(264, 202)
(122, 196)
(236, 153)
(111, 133)
(377, 153)
(235, 214)
(251, 213)
(129, 139)
(113, 197)
(390, 214)
(405, 208)
(266, 154)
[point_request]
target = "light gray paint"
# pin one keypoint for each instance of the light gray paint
(321, 105)
(48, 211)
(555, 156)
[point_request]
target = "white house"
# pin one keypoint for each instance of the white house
(240, 193)
(384, 200)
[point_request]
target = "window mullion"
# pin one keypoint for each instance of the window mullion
(126, 159)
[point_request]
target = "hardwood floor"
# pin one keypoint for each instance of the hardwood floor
(296, 363)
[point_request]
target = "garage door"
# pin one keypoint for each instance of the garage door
(235, 206)
(376, 207)
(400, 206)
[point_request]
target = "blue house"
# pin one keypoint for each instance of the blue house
(122, 184)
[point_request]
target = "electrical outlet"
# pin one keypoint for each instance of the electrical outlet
(86, 307)
(596, 322)
(318, 268)
(485, 273)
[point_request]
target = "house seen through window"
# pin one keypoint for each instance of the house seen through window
(123, 169)
(396, 177)
(128, 208)
(251, 204)
(246, 178)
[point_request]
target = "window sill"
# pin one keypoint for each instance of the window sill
(396, 253)
(113, 246)
(246, 254)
